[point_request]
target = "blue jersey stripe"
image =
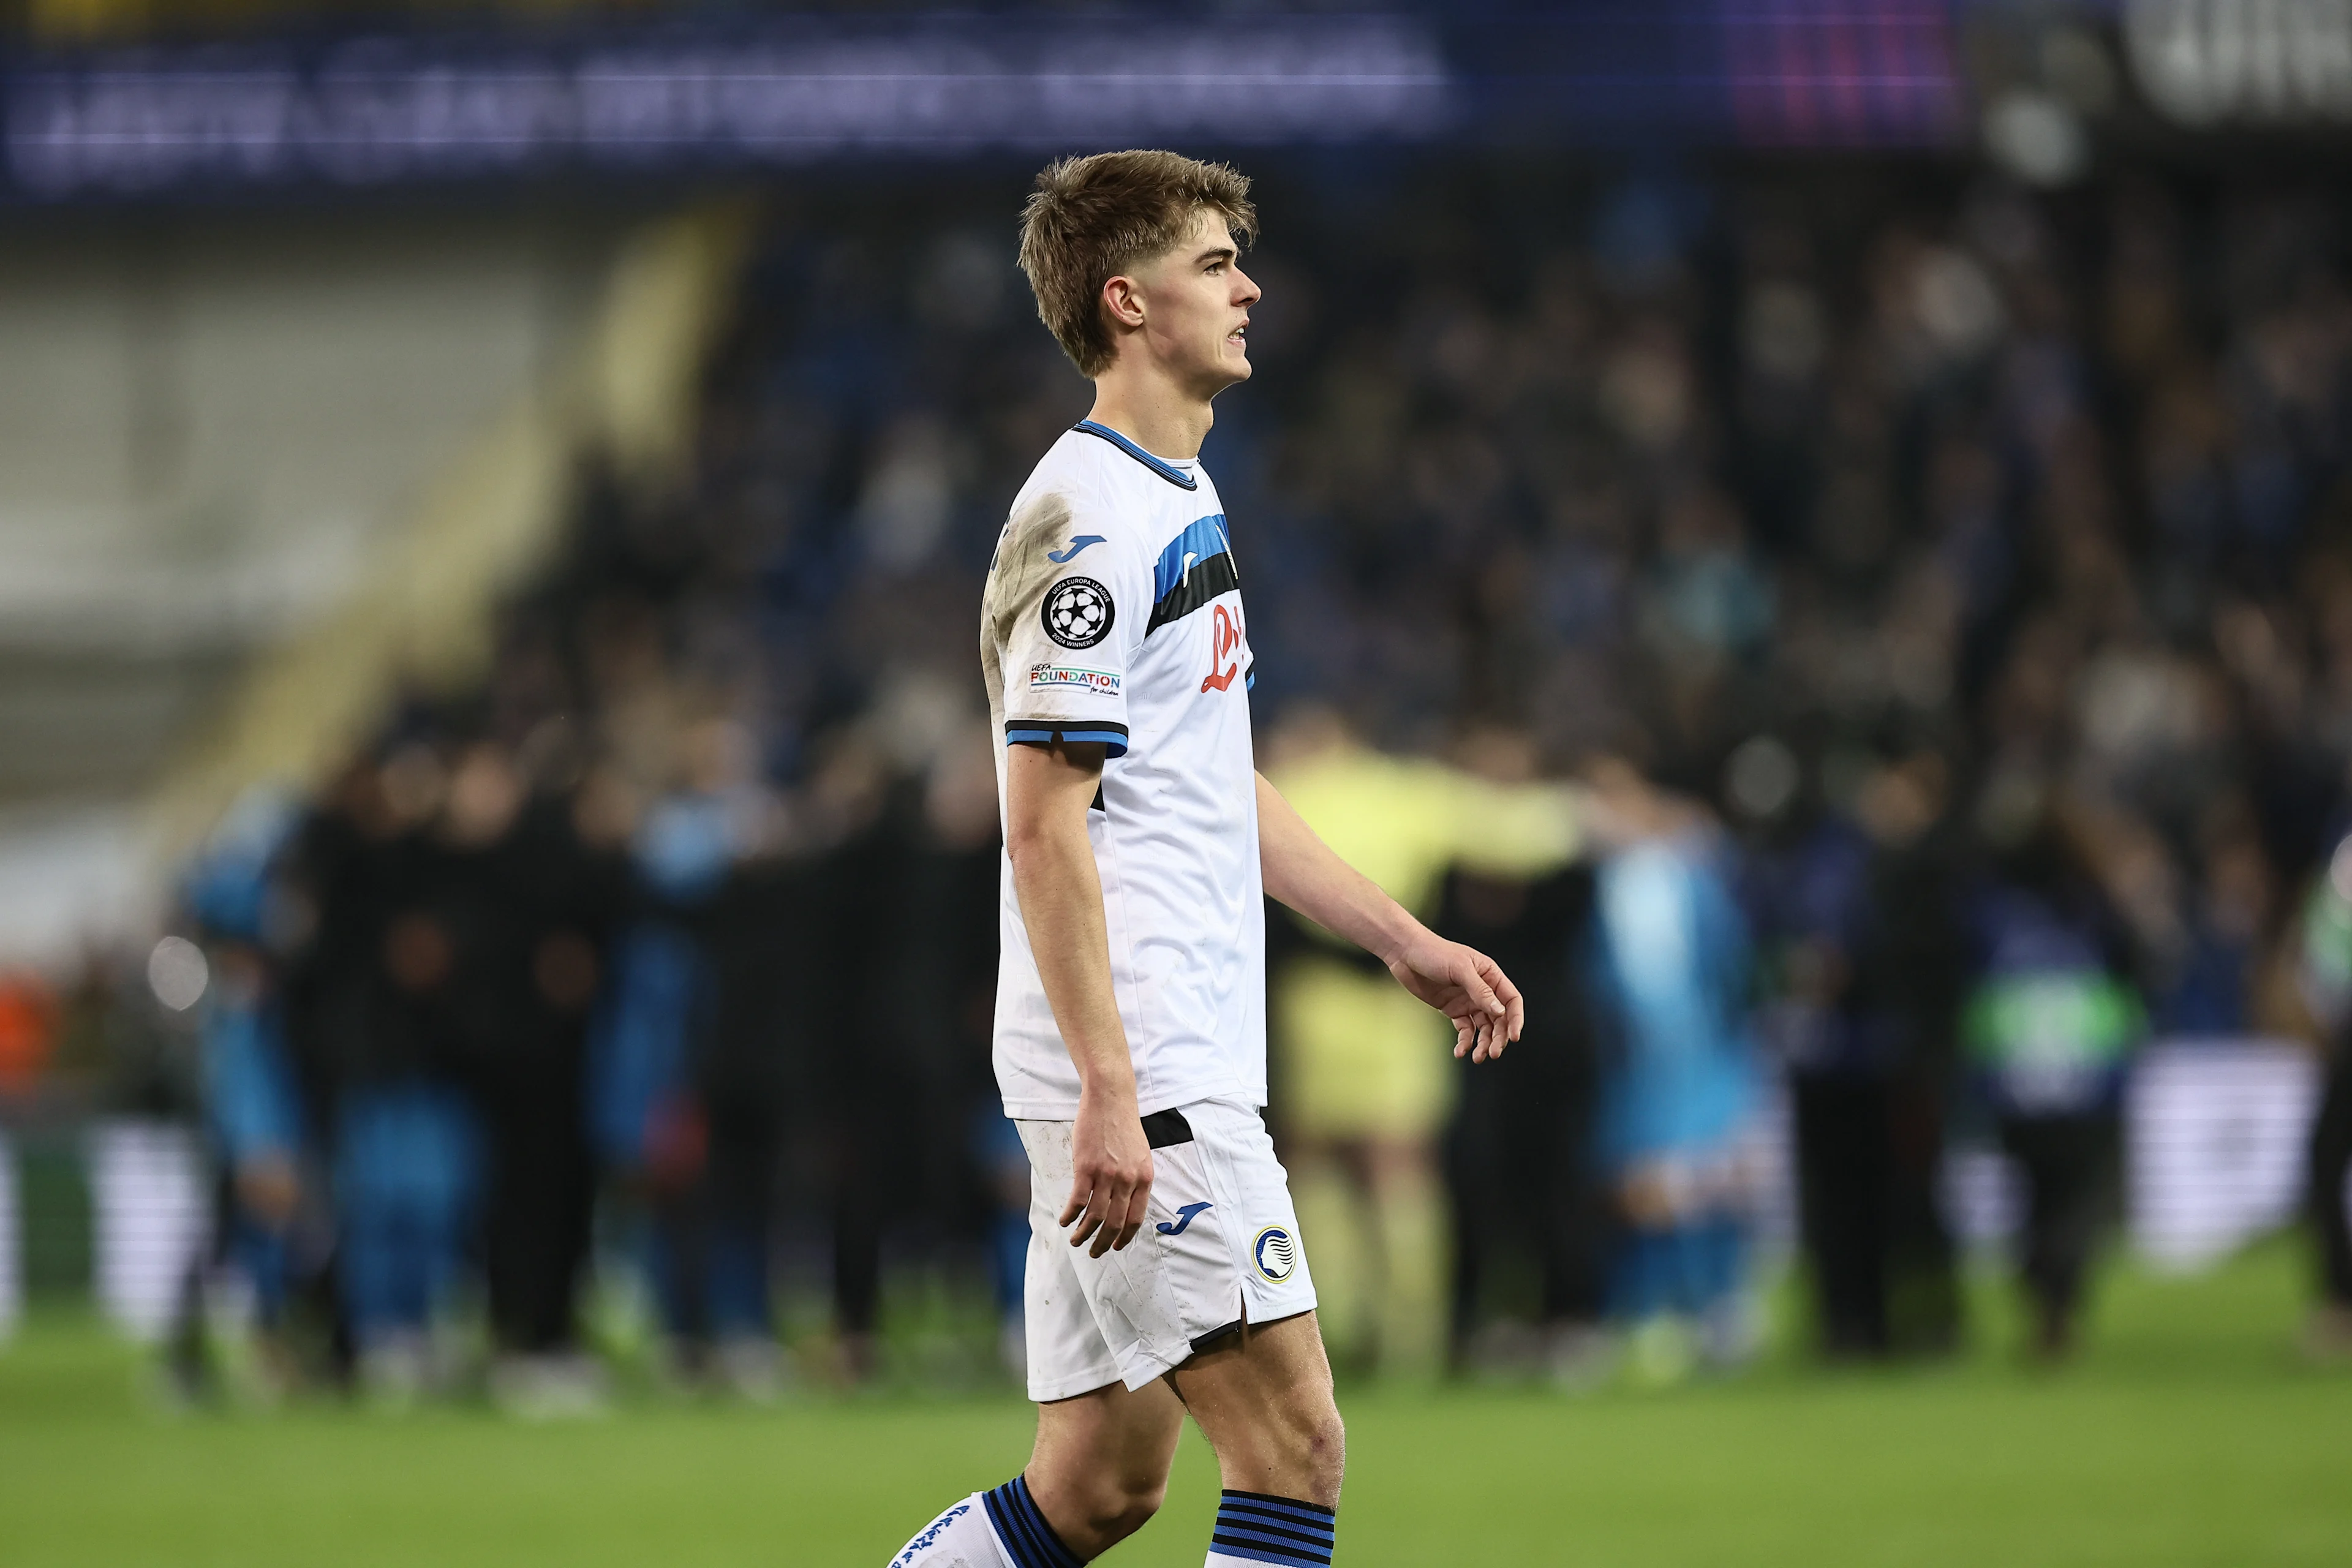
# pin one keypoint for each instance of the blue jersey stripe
(1202, 538)
(1047, 731)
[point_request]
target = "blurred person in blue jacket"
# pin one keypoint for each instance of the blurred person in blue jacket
(2215, 988)
(265, 1232)
(695, 1145)
(1682, 1087)
(2051, 1021)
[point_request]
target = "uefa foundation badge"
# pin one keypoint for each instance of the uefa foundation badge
(1275, 1253)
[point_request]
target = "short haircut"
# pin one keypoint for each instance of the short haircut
(1092, 218)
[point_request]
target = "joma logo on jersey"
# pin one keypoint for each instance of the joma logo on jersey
(1062, 677)
(1224, 641)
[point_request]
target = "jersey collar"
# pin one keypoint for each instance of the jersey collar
(1168, 471)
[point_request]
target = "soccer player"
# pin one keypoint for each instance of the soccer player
(1165, 1271)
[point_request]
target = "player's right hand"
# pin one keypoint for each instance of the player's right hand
(1110, 1186)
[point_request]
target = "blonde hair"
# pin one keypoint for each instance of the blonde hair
(1091, 219)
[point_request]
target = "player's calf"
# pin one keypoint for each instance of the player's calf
(1264, 1400)
(1098, 1475)
(1099, 1509)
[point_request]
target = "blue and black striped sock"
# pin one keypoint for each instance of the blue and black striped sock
(1254, 1528)
(1022, 1530)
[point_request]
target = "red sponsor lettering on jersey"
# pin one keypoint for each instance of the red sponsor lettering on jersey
(1224, 641)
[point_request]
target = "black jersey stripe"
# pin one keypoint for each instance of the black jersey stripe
(1112, 737)
(1204, 582)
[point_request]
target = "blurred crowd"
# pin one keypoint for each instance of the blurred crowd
(1867, 648)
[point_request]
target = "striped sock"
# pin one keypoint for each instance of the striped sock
(1021, 1529)
(1254, 1528)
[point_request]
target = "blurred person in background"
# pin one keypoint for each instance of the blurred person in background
(2324, 970)
(1857, 917)
(1529, 1204)
(28, 1031)
(28, 1039)
(367, 1017)
(953, 893)
(869, 1082)
(1368, 1084)
(269, 1227)
(521, 907)
(130, 1059)
(2223, 984)
(1681, 1088)
(685, 1097)
(2050, 1020)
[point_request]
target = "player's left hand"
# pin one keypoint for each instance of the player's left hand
(1468, 987)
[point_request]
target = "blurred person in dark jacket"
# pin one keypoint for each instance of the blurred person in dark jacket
(2051, 1021)
(1859, 913)
(1523, 1176)
(875, 1106)
(365, 1019)
(521, 907)
(1527, 1195)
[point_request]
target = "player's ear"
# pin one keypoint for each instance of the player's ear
(1123, 301)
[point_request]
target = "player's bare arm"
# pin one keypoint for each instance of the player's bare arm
(1047, 789)
(1303, 873)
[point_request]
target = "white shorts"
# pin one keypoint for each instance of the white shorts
(1221, 1246)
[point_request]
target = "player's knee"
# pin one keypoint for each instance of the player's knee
(1324, 1452)
(1315, 1449)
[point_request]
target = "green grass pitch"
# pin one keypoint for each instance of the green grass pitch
(2189, 1434)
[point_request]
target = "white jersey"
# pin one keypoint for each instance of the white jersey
(1113, 613)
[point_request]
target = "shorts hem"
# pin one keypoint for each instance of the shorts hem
(1151, 1368)
(1077, 1383)
(1274, 1306)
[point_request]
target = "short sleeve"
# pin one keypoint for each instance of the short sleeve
(1068, 605)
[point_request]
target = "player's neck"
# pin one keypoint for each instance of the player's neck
(1163, 419)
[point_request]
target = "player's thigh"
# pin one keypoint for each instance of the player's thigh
(1263, 1398)
(1112, 1440)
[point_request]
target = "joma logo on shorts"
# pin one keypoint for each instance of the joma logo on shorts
(1183, 1218)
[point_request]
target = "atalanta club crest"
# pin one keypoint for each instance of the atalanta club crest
(1275, 1253)
(1078, 612)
